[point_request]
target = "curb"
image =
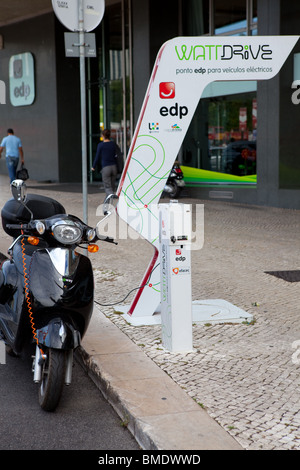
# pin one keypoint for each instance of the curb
(156, 410)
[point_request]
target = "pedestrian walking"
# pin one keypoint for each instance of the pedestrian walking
(106, 154)
(14, 151)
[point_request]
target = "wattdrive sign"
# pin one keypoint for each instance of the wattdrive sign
(21, 79)
(184, 67)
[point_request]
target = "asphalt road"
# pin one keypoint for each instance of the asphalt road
(82, 421)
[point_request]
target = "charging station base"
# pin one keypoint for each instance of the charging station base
(218, 311)
(213, 311)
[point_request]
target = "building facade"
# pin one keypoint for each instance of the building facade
(244, 135)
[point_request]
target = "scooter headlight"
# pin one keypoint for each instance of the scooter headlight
(67, 233)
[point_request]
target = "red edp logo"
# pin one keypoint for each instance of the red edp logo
(167, 90)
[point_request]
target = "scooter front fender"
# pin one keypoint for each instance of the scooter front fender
(58, 334)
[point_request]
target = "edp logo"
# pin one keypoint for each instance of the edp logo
(22, 91)
(2, 353)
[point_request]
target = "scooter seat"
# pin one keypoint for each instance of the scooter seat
(42, 207)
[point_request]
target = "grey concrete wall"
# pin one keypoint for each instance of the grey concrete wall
(36, 125)
(68, 113)
(289, 143)
(278, 138)
(268, 100)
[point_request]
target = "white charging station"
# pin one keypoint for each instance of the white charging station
(152, 154)
(177, 311)
(175, 221)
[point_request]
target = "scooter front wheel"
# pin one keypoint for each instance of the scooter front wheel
(52, 381)
(174, 191)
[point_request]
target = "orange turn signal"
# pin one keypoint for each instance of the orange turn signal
(33, 240)
(93, 248)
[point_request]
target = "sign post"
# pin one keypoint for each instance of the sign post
(72, 45)
(81, 16)
(83, 111)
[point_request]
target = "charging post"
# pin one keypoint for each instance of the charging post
(175, 222)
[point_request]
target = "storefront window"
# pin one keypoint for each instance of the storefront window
(221, 139)
(230, 17)
(114, 105)
(232, 134)
(195, 17)
(110, 78)
(253, 21)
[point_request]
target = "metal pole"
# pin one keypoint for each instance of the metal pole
(124, 80)
(90, 160)
(130, 70)
(83, 111)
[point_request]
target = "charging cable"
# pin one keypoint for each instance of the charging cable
(130, 292)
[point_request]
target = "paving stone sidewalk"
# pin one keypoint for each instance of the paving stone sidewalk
(246, 376)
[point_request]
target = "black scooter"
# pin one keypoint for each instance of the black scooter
(175, 182)
(46, 287)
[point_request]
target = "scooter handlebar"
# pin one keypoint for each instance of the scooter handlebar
(17, 226)
(107, 239)
(31, 226)
(27, 227)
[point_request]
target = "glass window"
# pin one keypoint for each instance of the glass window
(230, 17)
(221, 139)
(195, 17)
(114, 70)
(109, 81)
(253, 20)
(232, 134)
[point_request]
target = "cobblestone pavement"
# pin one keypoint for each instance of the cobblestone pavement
(246, 376)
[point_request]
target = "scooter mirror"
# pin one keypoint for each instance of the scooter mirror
(104, 226)
(109, 202)
(18, 189)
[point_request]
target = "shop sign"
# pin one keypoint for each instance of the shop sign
(21, 79)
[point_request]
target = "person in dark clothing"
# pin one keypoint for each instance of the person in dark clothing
(107, 155)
